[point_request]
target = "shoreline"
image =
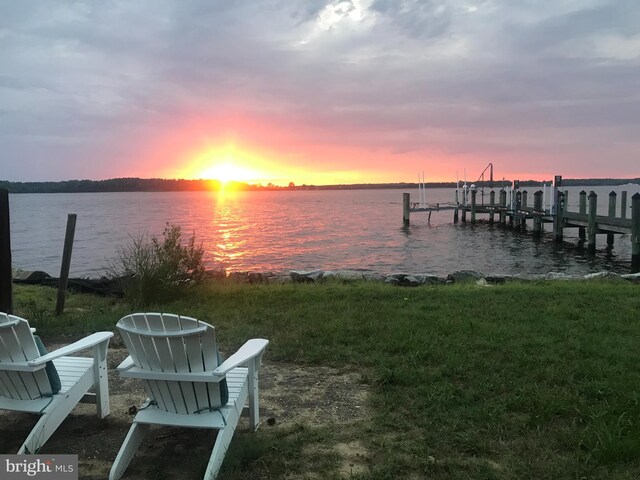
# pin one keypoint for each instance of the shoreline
(107, 286)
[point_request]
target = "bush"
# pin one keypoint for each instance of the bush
(157, 270)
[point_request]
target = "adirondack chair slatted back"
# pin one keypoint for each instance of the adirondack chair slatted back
(174, 343)
(18, 345)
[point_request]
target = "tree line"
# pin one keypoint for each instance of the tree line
(183, 185)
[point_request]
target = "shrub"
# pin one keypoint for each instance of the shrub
(156, 270)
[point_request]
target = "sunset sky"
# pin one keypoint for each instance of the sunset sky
(317, 91)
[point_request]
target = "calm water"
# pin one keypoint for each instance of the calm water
(297, 230)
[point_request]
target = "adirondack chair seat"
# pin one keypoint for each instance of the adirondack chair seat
(26, 387)
(177, 359)
(215, 419)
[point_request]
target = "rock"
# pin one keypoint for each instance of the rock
(482, 283)
(632, 277)
(349, 275)
(30, 276)
(373, 277)
(464, 276)
(255, 277)
(240, 277)
(600, 275)
(392, 280)
(433, 280)
(497, 278)
(217, 274)
(279, 279)
(301, 276)
(329, 275)
(412, 281)
(561, 276)
(528, 277)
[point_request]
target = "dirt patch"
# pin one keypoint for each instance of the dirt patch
(353, 456)
(311, 395)
(289, 394)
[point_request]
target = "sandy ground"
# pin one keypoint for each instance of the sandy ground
(290, 394)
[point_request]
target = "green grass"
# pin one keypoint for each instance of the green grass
(514, 381)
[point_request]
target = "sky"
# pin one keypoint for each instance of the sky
(318, 91)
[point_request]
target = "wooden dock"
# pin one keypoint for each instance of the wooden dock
(515, 211)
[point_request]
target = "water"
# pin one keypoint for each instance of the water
(278, 231)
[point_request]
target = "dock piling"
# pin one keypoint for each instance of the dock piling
(635, 233)
(503, 205)
(612, 214)
(537, 213)
(474, 193)
(623, 204)
(406, 208)
(455, 211)
(558, 223)
(523, 204)
(492, 203)
(591, 228)
(582, 234)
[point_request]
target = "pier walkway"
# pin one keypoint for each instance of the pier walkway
(513, 209)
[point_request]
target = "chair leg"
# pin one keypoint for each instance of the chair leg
(254, 399)
(128, 449)
(100, 377)
(223, 440)
(54, 415)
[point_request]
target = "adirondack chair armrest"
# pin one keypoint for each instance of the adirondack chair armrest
(20, 366)
(251, 349)
(126, 364)
(127, 369)
(83, 344)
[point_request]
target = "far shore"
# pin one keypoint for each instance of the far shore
(190, 185)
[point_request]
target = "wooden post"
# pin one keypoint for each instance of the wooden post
(537, 213)
(455, 211)
(623, 204)
(492, 203)
(406, 208)
(523, 224)
(559, 218)
(582, 233)
(591, 229)
(515, 218)
(503, 204)
(66, 262)
(612, 214)
(6, 287)
(474, 192)
(635, 233)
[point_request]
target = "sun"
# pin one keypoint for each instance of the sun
(227, 164)
(227, 171)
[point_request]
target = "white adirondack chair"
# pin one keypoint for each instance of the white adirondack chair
(176, 359)
(25, 386)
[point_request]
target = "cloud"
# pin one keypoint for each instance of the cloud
(108, 81)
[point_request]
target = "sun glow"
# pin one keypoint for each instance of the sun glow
(228, 164)
(226, 172)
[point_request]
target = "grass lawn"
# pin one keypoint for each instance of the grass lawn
(512, 381)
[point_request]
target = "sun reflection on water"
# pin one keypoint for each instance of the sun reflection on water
(228, 244)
